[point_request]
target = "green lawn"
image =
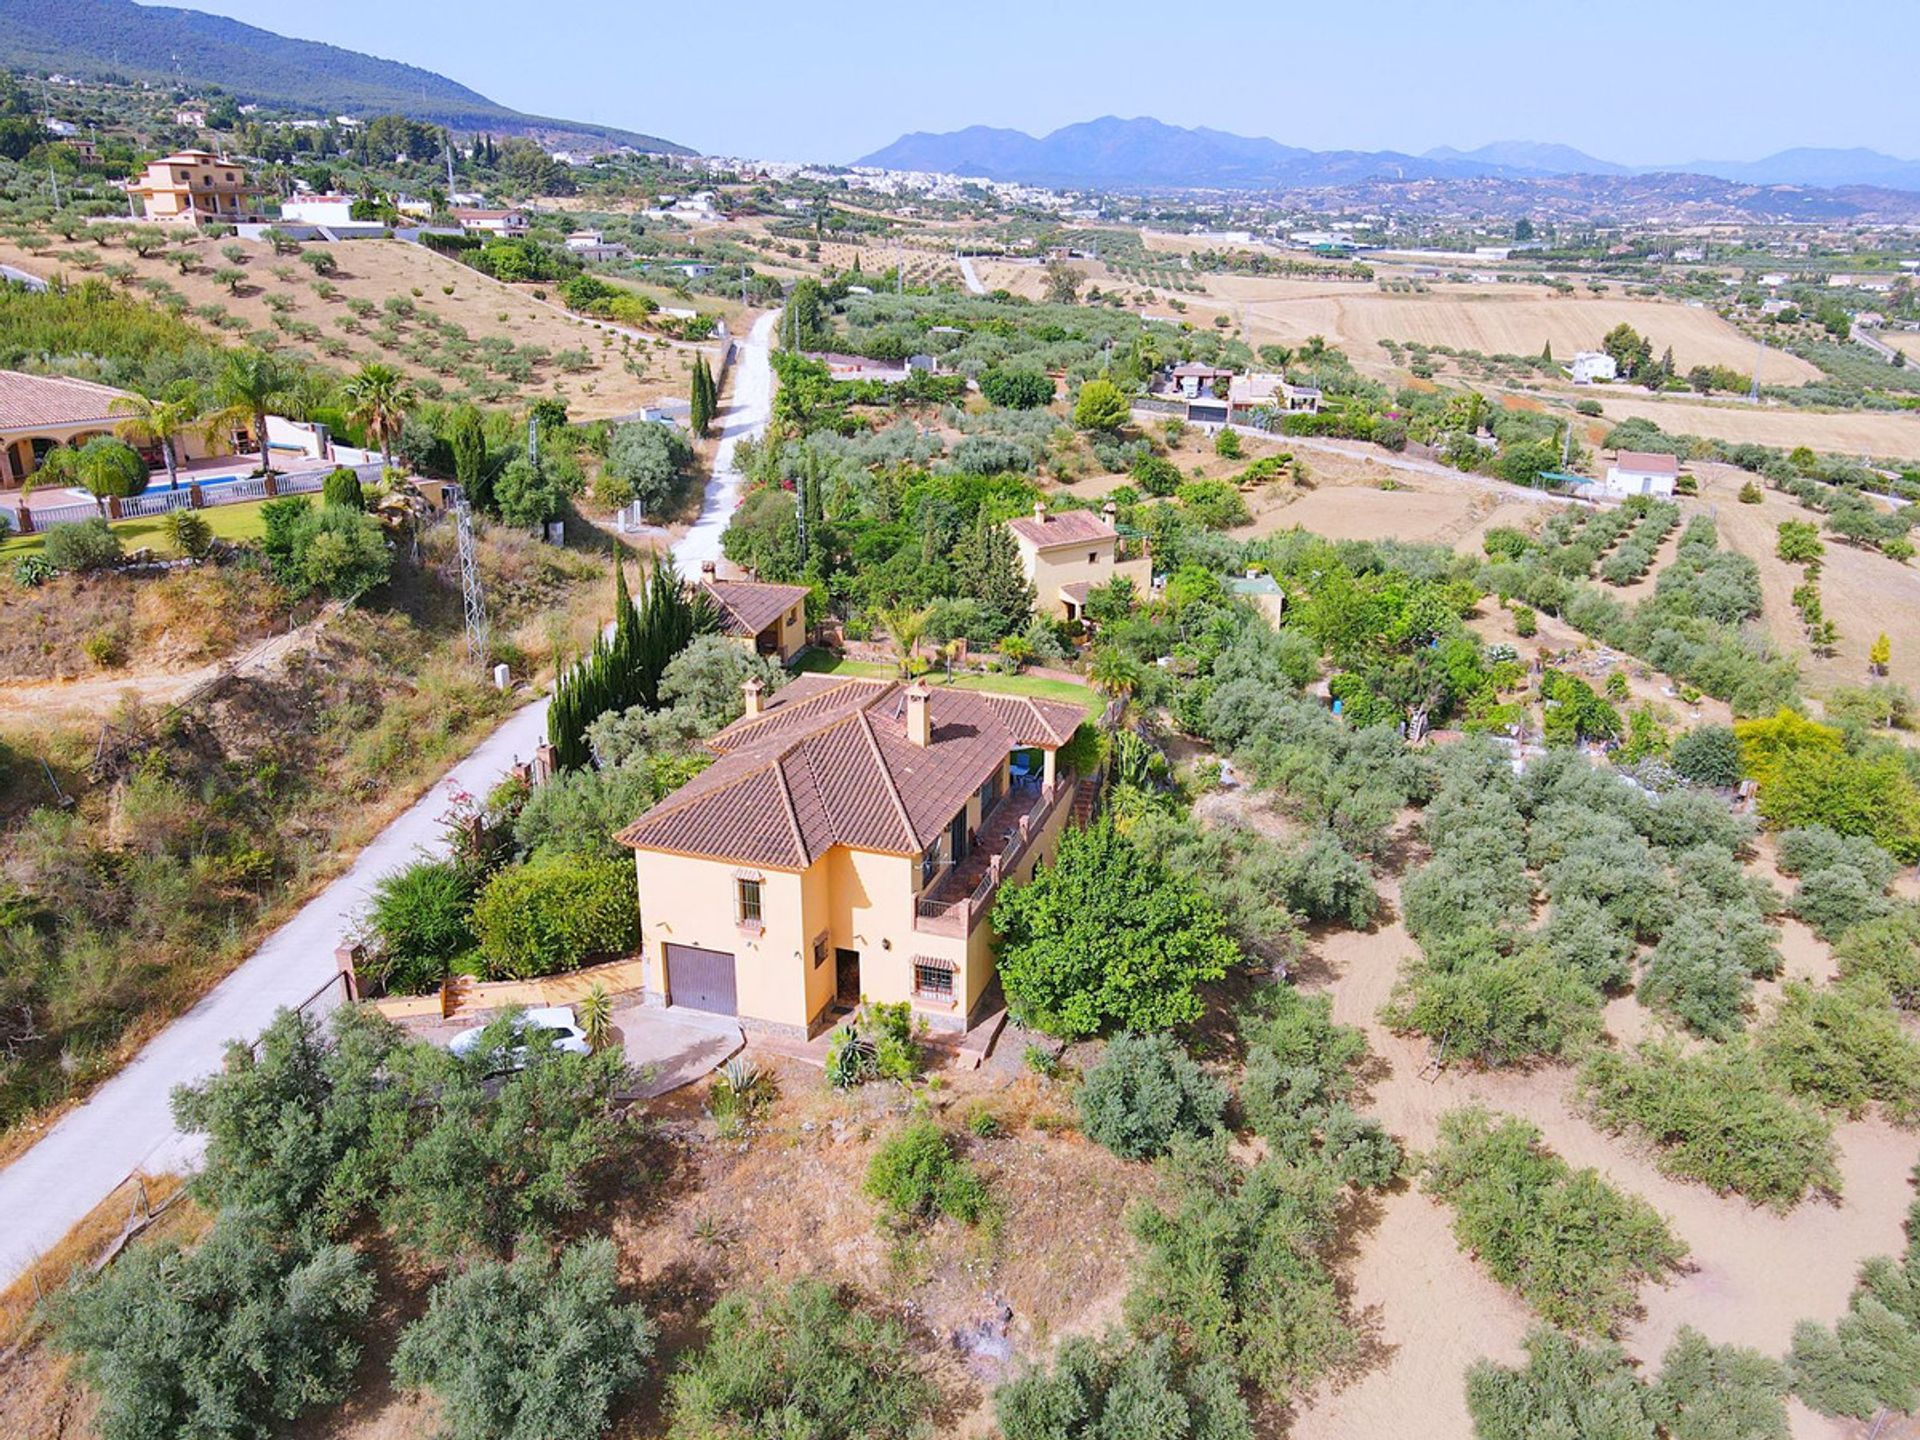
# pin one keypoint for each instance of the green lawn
(822, 662)
(229, 522)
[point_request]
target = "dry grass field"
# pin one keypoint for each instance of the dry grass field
(1495, 320)
(1905, 341)
(1847, 432)
(376, 271)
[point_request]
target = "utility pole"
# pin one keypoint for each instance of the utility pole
(46, 108)
(533, 439)
(473, 599)
(1760, 349)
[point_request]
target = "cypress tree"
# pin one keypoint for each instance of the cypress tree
(699, 413)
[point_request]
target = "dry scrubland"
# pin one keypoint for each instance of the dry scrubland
(1863, 591)
(377, 270)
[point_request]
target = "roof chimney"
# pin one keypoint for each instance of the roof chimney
(919, 718)
(709, 570)
(1040, 512)
(752, 691)
(1111, 511)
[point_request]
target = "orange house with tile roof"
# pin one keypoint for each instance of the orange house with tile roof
(847, 844)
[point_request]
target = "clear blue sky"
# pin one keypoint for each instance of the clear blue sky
(1638, 81)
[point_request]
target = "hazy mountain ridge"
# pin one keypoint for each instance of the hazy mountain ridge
(163, 45)
(1146, 152)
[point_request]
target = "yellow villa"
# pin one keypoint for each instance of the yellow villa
(848, 844)
(191, 187)
(1066, 555)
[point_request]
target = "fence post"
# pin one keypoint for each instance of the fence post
(113, 507)
(347, 958)
(543, 759)
(271, 486)
(26, 519)
(196, 497)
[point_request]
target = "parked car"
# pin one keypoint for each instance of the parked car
(552, 1023)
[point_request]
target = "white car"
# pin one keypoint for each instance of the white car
(554, 1023)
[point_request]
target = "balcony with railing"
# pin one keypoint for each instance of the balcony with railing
(959, 900)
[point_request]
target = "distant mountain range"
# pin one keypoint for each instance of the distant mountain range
(1147, 153)
(115, 38)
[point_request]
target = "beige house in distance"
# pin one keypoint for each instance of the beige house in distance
(192, 187)
(770, 619)
(1066, 555)
(848, 844)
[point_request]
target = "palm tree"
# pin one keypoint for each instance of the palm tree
(904, 626)
(379, 397)
(251, 384)
(151, 421)
(1115, 675)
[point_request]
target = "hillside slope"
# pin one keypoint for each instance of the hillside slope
(97, 38)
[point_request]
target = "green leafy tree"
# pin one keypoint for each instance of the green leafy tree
(986, 567)
(227, 1341)
(529, 1350)
(530, 493)
(1107, 937)
(1016, 389)
(653, 460)
(803, 1361)
(1235, 1272)
(1117, 1387)
(1573, 1246)
(1145, 1091)
(467, 438)
(1100, 406)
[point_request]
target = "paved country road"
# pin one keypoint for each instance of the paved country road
(127, 1124)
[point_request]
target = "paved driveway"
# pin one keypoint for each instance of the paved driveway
(126, 1124)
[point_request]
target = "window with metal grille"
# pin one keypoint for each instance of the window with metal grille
(933, 981)
(749, 891)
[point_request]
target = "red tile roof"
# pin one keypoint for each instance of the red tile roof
(828, 762)
(30, 401)
(1648, 462)
(1068, 527)
(747, 606)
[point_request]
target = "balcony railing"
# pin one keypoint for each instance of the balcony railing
(960, 899)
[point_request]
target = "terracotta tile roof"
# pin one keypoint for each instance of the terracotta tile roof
(1076, 591)
(1648, 462)
(1067, 527)
(30, 401)
(747, 607)
(828, 762)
